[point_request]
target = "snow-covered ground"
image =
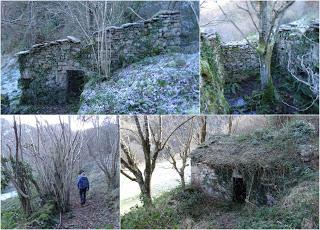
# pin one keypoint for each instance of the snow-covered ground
(10, 75)
(164, 84)
(164, 179)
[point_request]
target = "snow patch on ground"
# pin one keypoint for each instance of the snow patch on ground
(10, 75)
(162, 84)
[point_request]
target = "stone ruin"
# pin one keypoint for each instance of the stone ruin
(240, 60)
(132, 42)
(53, 72)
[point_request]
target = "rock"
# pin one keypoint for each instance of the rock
(62, 40)
(307, 224)
(238, 102)
(73, 39)
(38, 45)
(22, 52)
(270, 200)
(306, 152)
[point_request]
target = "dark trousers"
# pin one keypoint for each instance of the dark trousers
(83, 195)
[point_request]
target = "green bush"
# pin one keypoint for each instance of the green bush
(299, 205)
(10, 219)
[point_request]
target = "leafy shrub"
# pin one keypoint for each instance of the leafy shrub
(10, 219)
(154, 218)
(301, 130)
(300, 204)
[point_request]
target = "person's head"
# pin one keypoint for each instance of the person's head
(81, 172)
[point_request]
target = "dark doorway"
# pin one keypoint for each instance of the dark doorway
(76, 80)
(239, 190)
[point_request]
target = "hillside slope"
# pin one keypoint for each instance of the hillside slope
(161, 84)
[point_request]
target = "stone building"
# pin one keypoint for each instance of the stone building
(241, 61)
(253, 168)
(54, 72)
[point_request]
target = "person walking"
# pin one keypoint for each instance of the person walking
(83, 186)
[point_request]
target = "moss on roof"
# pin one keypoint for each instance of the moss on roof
(266, 148)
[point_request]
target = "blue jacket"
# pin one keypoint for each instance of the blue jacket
(83, 182)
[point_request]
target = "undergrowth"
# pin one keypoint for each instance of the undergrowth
(12, 216)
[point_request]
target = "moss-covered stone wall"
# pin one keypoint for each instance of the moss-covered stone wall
(205, 178)
(132, 42)
(44, 67)
(240, 60)
(212, 77)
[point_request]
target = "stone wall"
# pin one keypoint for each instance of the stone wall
(212, 77)
(297, 40)
(241, 61)
(204, 177)
(44, 68)
(134, 41)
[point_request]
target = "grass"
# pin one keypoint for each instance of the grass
(11, 214)
(13, 217)
(175, 209)
(299, 206)
(190, 208)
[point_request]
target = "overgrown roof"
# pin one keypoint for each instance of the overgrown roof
(266, 148)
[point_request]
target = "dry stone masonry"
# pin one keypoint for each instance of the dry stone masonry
(205, 178)
(50, 70)
(241, 61)
(298, 39)
(132, 42)
(44, 70)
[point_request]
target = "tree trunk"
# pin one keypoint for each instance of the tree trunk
(230, 125)
(26, 205)
(146, 193)
(203, 129)
(265, 69)
(183, 182)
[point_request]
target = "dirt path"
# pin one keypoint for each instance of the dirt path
(96, 214)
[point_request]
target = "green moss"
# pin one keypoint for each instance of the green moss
(261, 48)
(44, 217)
(300, 204)
(10, 219)
(212, 73)
(268, 96)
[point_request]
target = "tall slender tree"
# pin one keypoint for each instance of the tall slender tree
(152, 139)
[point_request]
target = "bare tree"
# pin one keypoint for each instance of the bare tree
(18, 171)
(55, 151)
(201, 126)
(179, 148)
(266, 17)
(104, 148)
(153, 141)
(303, 69)
(97, 15)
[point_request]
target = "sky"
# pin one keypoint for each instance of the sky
(213, 21)
(76, 122)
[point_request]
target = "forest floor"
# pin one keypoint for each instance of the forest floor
(162, 84)
(246, 97)
(97, 213)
